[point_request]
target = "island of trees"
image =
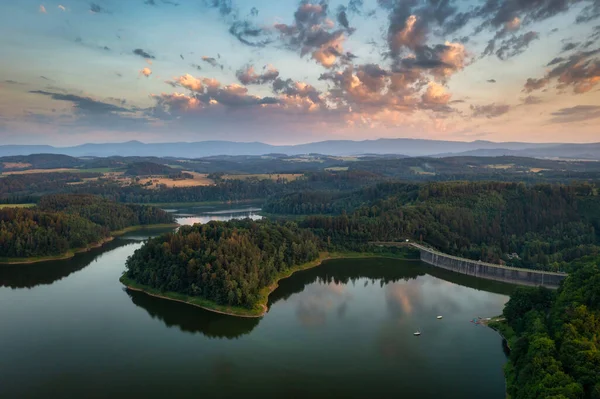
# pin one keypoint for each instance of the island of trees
(63, 224)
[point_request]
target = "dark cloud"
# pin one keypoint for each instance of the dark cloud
(97, 9)
(569, 46)
(491, 80)
(489, 110)
(342, 18)
(13, 82)
(254, 11)
(249, 34)
(225, 7)
(516, 45)
(590, 12)
(150, 2)
(248, 76)
(580, 71)
(355, 6)
(196, 66)
(530, 100)
(555, 61)
(84, 104)
(311, 33)
(45, 78)
(143, 54)
(577, 113)
(534, 84)
(212, 61)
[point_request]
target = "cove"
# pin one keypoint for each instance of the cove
(343, 329)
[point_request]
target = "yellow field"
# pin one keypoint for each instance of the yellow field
(501, 166)
(200, 179)
(271, 176)
(420, 171)
(16, 165)
(337, 169)
(16, 205)
(29, 171)
(536, 170)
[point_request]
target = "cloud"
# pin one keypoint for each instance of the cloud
(146, 72)
(577, 113)
(13, 82)
(84, 104)
(143, 54)
(530, 100)
(581, 71)
(513, 46)
(97, 9)
(62, 8)
(247, 75)
(435, 95)
(42, 9)
(311, 33)
(441, 61)
(590, 12)
(534, 84)
(212, 61)
(489, 110)
(569, 46)
(491, 80)
(249, 34)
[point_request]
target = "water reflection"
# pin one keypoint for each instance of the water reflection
(191, 216)
(192, 319)
(45, 273)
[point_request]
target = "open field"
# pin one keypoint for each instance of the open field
(200, 179)
(265, 176)
(501, 166)
(420, 171)
(29, 171)
(16, 205)
(16, 165)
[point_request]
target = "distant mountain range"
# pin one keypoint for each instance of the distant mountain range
(407, 147)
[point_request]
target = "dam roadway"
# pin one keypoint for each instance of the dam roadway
(490, 271)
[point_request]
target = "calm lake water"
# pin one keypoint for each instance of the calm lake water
(68, 329)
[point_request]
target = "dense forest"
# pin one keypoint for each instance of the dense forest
(65, 222)
(103, 212)
(225, 262)
(555, 350)
(26, 233)
(545, 226)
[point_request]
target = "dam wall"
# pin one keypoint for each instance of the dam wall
(491, 271)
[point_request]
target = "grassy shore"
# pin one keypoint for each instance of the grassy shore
(72, 252)
(129, 229)
(260, 308)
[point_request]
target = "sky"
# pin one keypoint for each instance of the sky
(288, 71)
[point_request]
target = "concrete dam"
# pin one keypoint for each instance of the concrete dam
(485, 270)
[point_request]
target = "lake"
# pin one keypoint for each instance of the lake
(68, 329)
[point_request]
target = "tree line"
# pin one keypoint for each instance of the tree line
(64, 222)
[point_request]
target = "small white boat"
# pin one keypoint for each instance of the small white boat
(417, 333)
(439, 317)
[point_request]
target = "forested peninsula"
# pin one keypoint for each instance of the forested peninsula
(64, 224)
(229, 264)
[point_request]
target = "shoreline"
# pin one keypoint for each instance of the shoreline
(72, 252)
(261, 308)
